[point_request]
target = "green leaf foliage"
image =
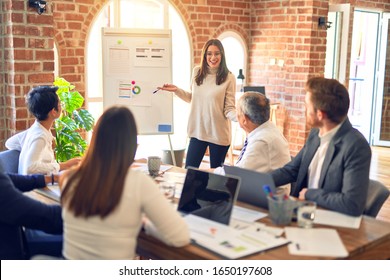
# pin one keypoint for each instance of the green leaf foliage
(72, 123)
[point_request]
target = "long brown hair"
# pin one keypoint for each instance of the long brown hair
(96, 186)
(223, 70)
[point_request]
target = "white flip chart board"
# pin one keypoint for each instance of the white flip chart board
(135, 63)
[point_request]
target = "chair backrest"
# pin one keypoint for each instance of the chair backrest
(9, 160)
(260, 89)
(377, 195)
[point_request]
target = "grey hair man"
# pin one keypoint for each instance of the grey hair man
(265, 148)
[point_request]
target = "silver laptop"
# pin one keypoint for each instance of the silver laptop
(209, 195)
(252, 182)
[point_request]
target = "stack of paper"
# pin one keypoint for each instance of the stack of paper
(331, 218)
(321, 242)
(229, 242)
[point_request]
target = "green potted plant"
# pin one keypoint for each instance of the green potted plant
(73, 121)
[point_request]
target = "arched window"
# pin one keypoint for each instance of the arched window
(131, 14)
(116, 14)
(236, 57)
(236, 54)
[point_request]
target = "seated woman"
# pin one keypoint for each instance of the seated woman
(104, 201)
(35, 144)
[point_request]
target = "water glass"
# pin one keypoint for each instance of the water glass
(306, 214)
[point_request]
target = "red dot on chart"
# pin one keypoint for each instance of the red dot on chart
(133, 82)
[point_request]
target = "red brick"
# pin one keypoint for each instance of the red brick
(43, 78)
(40, 19)
(23, 54)
(44, 55)
(27, 66)
(48, 66)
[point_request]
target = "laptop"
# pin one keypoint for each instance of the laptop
(260, 89)
(252, 182)
(208, 195)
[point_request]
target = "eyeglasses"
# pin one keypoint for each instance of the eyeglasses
(213, 54)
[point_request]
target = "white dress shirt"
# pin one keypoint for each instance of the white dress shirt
(37, 156)
(16, 142)
(267, 149)
(315, 166)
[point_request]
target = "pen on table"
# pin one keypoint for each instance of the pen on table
(156, 91)
(297, 246)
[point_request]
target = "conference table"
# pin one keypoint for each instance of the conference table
(370, 241)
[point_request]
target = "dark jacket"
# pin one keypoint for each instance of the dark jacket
(344, 179)
(18, 210)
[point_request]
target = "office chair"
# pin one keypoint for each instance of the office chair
(9, 160)
(260, 89)
(377, 195)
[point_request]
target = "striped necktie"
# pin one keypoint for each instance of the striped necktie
(242, 150)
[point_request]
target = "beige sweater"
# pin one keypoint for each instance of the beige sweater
(212, 108)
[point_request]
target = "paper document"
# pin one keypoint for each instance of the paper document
(320, 242)
(326, 217)
(275, 231)
(177, 178)
(52, 192)
(247, 215)
(229, 242)
(144, 167)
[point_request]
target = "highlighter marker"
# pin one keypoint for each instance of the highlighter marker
(267, 191)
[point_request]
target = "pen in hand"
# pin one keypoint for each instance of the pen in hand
(156, 91)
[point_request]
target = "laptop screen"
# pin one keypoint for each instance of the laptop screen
(209, 195)
(252, 182)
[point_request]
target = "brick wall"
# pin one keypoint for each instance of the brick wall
(3, 37)
(283, 30)
(287, 31)
(27, 60)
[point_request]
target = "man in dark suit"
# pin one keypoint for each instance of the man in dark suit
(333, 167)
(18, 210)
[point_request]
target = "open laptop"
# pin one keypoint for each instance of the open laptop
(252, 182)
(209, 195)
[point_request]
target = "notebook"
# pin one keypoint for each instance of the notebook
(252, 182)
(209, 195)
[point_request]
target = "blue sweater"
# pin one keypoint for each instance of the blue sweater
(18, 210)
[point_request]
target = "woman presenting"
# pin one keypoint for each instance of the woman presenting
(212, 99)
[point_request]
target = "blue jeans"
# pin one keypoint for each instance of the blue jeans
(197, 149)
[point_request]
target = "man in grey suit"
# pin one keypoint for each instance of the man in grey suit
(333, 167)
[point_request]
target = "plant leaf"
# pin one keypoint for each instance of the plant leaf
(84, 119)
(73, 120)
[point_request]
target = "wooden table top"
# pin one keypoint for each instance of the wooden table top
(370, 241)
